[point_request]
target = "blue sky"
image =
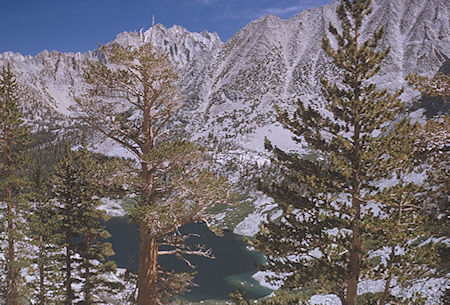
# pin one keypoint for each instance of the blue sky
(30, 26)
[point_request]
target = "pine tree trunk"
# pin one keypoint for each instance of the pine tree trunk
(11, 275)
(355, 251)
(148, 244)
(355, 254)
(88, 281)
(387, 284)
(68, 281)
(148, 268)
(41, 271)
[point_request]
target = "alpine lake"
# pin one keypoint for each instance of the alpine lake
(232, 267)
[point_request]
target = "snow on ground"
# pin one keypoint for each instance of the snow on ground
(260, 276)
(279, 136)
(61, 94)
(431, 289)
(250, 225)
(111, 148)
(112, 207)
(325, 299)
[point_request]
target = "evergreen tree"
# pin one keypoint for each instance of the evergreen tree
(432, 147)
(436, 86)
(64, 191)
(432, 151)
(44, 235)
(75, 189)
(92, 249)
(352, 214)
(131, 101)
(14, 137)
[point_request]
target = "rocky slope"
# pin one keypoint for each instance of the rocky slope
(55, 77)
(231, 87)
(277, 61)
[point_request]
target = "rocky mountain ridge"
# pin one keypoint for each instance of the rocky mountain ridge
(231, 88)
(273, 60)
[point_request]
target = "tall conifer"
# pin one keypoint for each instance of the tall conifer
(131, 101)
(44, 236)
(63, 181)
(346, 215)
(76, 190)
(92, 248)
(432, 149)
(14, 137)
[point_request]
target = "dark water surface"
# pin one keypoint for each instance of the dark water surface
(217, 278)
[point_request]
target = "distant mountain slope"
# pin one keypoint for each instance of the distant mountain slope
(56, 76)
(231, 87)
(273, 60)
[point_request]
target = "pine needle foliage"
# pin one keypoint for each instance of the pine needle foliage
(75, 188)
(131, 98)
(14, 138)
(43, 235)
(436, 86)
(353, 213)
(432, 149)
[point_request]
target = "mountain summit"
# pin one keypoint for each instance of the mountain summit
(232, 87)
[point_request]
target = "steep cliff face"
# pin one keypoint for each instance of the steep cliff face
(277, 61)
(54, 78)
(231, 87)
(50, 76)
(182, 46)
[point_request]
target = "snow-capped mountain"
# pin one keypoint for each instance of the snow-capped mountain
(231, 87)
(56, 77)
(182, 45)
(277, 61)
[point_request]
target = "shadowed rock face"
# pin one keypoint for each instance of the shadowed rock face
(232, 87)
(55, 77)
(445, 68)
(435, 105)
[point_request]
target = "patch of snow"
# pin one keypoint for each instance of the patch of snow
(112, 207)
(111, 148)
(325, 299)
(60, 94)
(250, 225)
(260, 277)
(277, 134)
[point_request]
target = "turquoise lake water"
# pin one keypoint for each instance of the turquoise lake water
(216, 278)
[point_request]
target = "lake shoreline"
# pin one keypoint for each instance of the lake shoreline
(234, 266)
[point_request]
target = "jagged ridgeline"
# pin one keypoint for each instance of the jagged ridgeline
(231, 87)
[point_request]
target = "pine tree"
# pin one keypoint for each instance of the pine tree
(14, 137)
(432, 150)
(131, 101)
(347, 215)
(75, 189)
(46, 238)
(63, 181)
(92, 249)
